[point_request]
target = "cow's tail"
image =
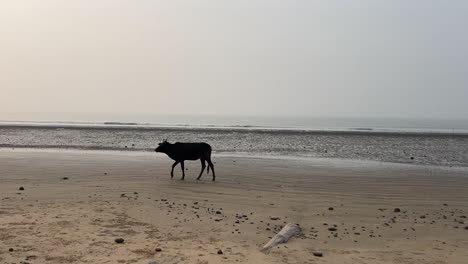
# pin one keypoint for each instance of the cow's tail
(209, 159)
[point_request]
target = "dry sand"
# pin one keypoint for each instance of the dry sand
(111, 195)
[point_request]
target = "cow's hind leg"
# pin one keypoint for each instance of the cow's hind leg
(203, 165)
(183, 170)
(212, 168)
(173, 166)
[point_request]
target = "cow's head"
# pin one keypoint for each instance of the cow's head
(163, 146)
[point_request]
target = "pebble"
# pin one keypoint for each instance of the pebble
(220, 252)
(119, 240)
(274, 218)
(332, 229)
(158, 249)
(396, 210)
(21, 188)
(11, 249)
(65, 178)
(330, 208)
(318, 254)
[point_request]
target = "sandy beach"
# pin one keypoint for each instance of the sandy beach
(76, 203)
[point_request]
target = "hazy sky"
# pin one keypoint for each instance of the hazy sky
(395, 58)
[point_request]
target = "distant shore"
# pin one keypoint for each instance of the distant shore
(237, 128)
(76, 203)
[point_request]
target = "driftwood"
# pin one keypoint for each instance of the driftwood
(283, 236)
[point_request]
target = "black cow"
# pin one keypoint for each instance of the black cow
(181, 152)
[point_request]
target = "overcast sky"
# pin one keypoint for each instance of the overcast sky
(384, 58)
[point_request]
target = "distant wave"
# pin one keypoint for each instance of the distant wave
(203, 127)
(120, 123)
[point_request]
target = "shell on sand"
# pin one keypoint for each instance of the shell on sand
(288, 231)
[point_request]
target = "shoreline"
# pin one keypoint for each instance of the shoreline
(243, 155)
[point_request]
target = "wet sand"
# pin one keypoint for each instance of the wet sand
(111, 195)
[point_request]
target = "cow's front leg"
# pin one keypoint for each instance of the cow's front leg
(183, 169)
(173, 166)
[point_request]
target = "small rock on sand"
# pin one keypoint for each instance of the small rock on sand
(332, 229)
(330, 208)
(119, 240)
(65, 178)
(21, 188)
(158, 249)
(218, 212)
(466, 227)
(220, 252)
(318, 254)
(396, 210)
(274, 218)
(11, 249)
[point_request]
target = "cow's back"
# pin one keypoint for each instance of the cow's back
(191, 151)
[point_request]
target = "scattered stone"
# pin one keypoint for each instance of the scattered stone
(218, 212)
(220, 252)
(119, 240)
(11, 249)
(412, 158)
(422, 216)
(135, 193)
(330, 208)
(445, 204)
(332, 229)
(21, 188)
(274, 218)
(318, 254)
(396, 210)
(65, 178)
(105, 173)
(158, 249)
(466, 227)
